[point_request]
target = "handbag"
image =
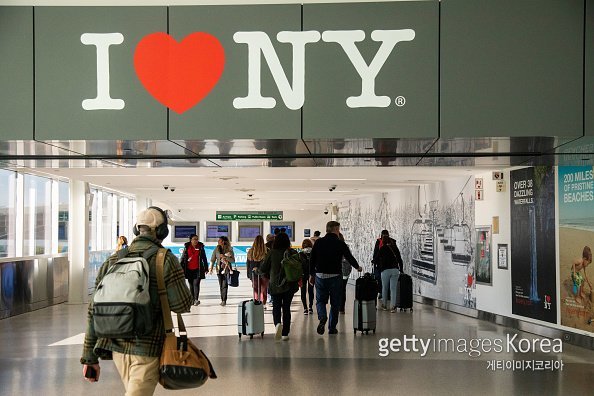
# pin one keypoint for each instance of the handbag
(182, 365)
(233, 278)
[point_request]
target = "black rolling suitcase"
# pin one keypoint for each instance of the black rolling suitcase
(404, 298)
(366, 288)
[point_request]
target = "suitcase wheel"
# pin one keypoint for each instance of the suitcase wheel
(355, 331)
(262, 335)
(251, 336)
(366, 332)
(373, 331)
(239, 336)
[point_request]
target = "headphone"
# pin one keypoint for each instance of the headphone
(162, 230)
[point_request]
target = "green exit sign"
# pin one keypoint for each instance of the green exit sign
(247, 216)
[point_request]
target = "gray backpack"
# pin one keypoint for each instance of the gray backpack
(121, 302)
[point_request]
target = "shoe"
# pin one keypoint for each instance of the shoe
(383, 308)
(305, 312)
(333, 331)
(285, 338)
(311, 311)
(223, 303)
(322, 325)
(393, 310)
(270, 304)
(196, 302)
(278, 332)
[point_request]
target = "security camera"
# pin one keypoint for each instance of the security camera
(179, 211)
(250, 195)
(325, 211)
(172, 188)
(166, 186)
(332, 188)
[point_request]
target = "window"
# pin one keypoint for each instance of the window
(63, 206)
(37, 219)
(7, 213)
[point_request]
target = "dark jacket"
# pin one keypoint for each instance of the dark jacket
(202, 262)
(250, 265)
(305, 256)
(327, 254)
(376, 248)
(271, 268)
(389, 257)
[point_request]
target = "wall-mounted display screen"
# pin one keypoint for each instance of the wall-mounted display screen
(249, 231)
(182, 231)
(215, 230)
(287, 227)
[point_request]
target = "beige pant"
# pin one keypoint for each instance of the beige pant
(140, 374)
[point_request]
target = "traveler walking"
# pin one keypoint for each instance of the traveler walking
(221, 260)
(282, 292)
(306, 287)
(137, 357)
(346, 272)
(326, 273)
(255, 256)
(376, 264)
(195, 265)
(122, 243)
(315, 237)
(390, 265)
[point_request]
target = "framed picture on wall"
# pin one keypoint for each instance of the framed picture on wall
(502, 256)
(484, 271)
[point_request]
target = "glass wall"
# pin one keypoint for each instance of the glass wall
(44, 205)
(63, 209)
(37, 216)
(7, 213)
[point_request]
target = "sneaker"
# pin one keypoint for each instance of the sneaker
(393, 310)
(311, 311)
(305, 312)
(278, 332)
(196, 302)
(322, 325)
(333, 331)
(285, 338)
(383, 307)
(223, 303)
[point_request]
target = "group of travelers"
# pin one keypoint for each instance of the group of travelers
(326, 266)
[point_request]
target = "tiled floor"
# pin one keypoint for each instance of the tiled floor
(39, 354)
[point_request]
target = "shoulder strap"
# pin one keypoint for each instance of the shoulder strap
(148, 253)
(162, 292)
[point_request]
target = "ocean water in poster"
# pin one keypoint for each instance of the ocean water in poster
(533, 256)
(576, 240)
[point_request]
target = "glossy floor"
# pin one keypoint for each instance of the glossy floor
(39, 354)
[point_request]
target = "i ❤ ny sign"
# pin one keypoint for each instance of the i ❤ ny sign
(232, 72)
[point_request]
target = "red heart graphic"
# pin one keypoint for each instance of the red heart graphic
(179, 75)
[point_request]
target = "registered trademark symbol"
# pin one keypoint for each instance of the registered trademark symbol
(400, 101)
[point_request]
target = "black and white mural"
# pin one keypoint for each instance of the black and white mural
(433, 225)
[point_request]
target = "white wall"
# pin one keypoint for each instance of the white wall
(496, 298)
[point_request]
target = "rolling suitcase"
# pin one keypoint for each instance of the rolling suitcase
(250, 317)
(404, 298)
(364, 316)
(366, 288)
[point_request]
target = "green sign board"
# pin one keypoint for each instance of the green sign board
(230, 216)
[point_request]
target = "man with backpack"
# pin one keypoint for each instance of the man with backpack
(132, 332)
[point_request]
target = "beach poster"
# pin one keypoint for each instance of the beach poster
(576, 241)
(532, 250)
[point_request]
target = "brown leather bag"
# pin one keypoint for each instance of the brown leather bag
(182, 364)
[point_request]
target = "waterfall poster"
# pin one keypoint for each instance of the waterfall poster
(533, 256)
(576, 241)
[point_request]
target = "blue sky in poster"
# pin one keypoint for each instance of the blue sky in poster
(576, 196)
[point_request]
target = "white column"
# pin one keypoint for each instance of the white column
(78, 241)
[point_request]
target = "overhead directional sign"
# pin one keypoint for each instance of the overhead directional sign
(259, 216)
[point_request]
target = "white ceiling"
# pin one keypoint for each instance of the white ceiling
(271, 188)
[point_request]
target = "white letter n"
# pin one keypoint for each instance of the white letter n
(259, 43)
(102, 41)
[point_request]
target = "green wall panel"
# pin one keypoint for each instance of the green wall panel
(410, 71)
(215, 116)
(66, 73)
(16, 76)
(511, 68)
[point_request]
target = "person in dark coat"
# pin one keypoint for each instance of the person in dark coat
(195, 265)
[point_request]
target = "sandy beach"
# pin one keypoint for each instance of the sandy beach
(571, 245)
